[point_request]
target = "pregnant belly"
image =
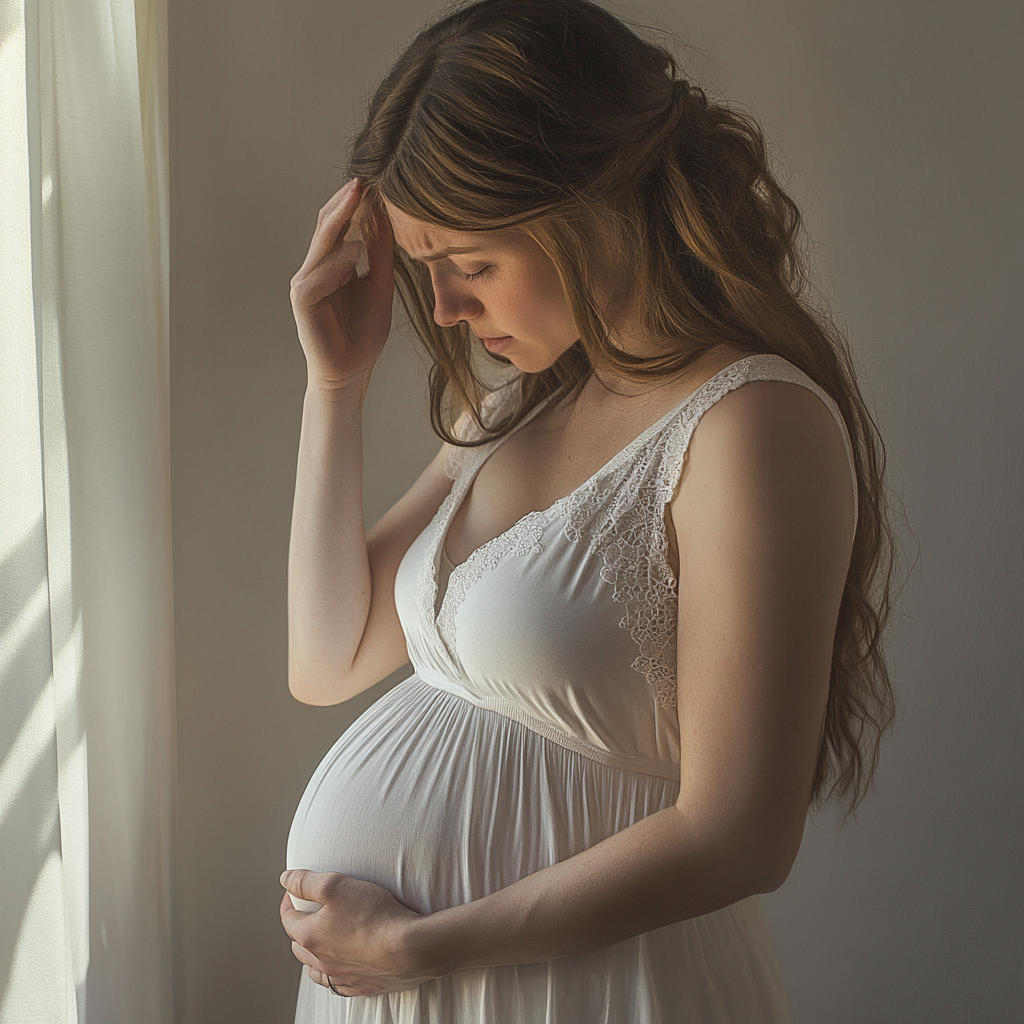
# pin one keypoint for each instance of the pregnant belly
(442, 802)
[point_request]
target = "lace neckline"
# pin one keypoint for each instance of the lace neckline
(461, 487)
(617, 513)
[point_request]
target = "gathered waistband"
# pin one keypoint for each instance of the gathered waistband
(549, 731)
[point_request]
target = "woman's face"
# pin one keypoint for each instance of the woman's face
(501, 283)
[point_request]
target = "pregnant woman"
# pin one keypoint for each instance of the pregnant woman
(642, 586)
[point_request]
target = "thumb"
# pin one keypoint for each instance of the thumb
(307, 885)
(299, 883)
(317, 887)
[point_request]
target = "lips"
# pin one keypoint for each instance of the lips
(497, 344)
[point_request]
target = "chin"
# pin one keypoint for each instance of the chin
(529, 358)
(530, 362)
(526, 366)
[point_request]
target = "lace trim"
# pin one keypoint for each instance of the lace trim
(522, 539)
(458, 458)
(620, 514)
(461, 466)
(426, 590)
(766, 366)
(455, 463)
(426, 584)
(624, 519)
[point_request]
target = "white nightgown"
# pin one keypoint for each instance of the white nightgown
(539, 720)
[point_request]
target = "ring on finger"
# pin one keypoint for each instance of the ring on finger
(330, 985)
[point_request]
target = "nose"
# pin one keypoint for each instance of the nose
(452, 303)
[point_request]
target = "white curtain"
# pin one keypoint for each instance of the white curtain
(86, 706)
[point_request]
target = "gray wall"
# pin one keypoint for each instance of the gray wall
(900, 125)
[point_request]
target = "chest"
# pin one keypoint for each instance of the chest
(552, 456)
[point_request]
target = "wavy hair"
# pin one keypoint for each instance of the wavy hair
(554, 117)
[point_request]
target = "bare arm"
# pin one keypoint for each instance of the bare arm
(343, 629)
(764, 524)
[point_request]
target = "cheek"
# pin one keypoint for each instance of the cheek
(547, 299)
(550, 286)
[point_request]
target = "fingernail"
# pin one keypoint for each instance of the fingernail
(284, 874)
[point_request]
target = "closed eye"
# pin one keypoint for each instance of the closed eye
(473, 277)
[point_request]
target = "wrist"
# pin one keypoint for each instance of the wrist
(429, 945)
(353, 386)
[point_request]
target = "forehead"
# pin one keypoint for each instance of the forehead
(420, 239)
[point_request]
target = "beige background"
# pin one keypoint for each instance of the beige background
(900, 122)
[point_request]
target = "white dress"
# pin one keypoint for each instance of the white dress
(539, 719)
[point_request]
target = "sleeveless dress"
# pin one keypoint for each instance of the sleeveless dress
(539, 719)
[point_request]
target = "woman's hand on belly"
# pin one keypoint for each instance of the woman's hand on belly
(358, 937)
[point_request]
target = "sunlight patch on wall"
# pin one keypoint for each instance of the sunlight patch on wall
(29, 998)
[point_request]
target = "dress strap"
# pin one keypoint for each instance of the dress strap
(764, 366)
(459, 458)
(445, 567)
(620, 515)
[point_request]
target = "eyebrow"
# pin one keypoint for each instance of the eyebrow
(454, 250)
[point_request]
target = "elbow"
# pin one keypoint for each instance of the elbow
(305, 695)
(773, 875)
(318, 689)
(774, 860)
(755, 860)
(756, 874)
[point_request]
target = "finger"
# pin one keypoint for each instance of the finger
(379, 240)
(304, 956)
(333, 222)
(296, 923)
(337, 199)
(288, 912)
(320, 978)
(334, 271)
(314, 886)
(332, 228)
(342, 252)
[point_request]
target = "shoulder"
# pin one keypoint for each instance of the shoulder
(467, 426)
(767, 456)
(781, 414)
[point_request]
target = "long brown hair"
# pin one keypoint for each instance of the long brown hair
(554, 117)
